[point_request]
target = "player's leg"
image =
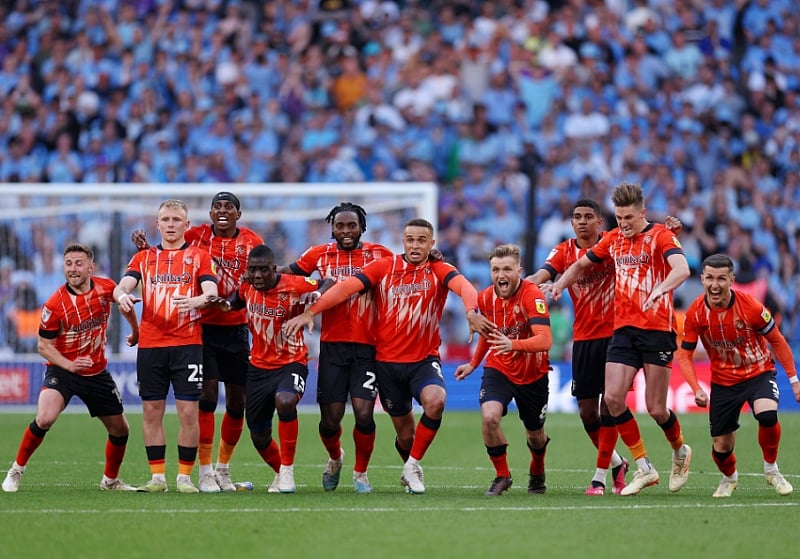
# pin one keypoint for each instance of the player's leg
(363, 389)
(50, 404)
(230, 433)
(102, 398)
(260, 397)
(764, 404)
(291, 387)
(495, 394)
(532, 404)
(153, 375)
(332, 388)
(187, 381)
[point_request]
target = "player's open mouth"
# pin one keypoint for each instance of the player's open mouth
(502, 284)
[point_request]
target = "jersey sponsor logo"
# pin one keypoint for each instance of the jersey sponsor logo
(230, 263)
(596, 276)
(262, 309)
(633, 260)
(344, 271)
(184, 278)
(514, 331)
(541, 308)
(90, 324)
(408, 289)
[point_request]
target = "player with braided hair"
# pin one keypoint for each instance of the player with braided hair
(347, 354)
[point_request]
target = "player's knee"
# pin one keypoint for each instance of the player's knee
(261, 439)
(767, 418)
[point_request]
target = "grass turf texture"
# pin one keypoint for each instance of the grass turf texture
(59, 511)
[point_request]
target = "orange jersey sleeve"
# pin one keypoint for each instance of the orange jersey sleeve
(640, 265)
(330, 262)
(734, 338)
(266, 313)
(516, 317)
(592, 295)
(163, 274)
(230, 258)
(78, 322)
(409, 302)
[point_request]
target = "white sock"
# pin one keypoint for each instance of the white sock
(206, 469)
(616, 459)
(770, 467)
(600, 475)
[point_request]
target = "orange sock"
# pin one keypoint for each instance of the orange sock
(271, 455)
(333, 443)
(115, 452)
(725, 461)
(32, 437)
(187, 455)
(499, 457)
(287, 433)
(205, 448)
(156, 459)
(424, 435)
(364, 439)
(628, 431)
(605, 448)
(230, 433)
(672, 430)
(768, 439)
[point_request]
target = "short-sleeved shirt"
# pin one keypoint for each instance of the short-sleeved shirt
(641, 264)
(339, 323)
(409, 302)
(267, 311)
(165, 273)
(78, 322)
(230, 257)
(734, 337)
(515, 317)
(592, 295)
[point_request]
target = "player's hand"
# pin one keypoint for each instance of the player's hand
(126, 302)
(701, 398)
(309, 298)
(555, 291)
(673, 224)
(463, 371)
(478, 323)
(184, 303)
(296, 324)
(796, 390)
(435, 255)
(139, 238)
(546, 288)
(81, 364)
(653, 299)
(499, 342)
(219, 302)
(132, 339)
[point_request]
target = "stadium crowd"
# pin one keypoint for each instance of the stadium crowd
(506, 105)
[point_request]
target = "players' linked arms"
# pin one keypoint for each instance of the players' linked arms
(296, 324)
(139, 238)
(463, 371)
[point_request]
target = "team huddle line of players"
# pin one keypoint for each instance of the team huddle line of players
(216, 307)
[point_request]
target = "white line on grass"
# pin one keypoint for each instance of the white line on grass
(448, 508)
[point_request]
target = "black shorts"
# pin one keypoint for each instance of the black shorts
(263, 385)
(635, 347)
(589, 368)
(727, 401)
(226, 353)
(531, 398)
(99, 392)
(180, 366)
(346, 368)
(399, 383)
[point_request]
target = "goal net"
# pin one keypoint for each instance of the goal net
(40, 219)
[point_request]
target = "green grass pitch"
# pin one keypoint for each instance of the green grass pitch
(59, 512)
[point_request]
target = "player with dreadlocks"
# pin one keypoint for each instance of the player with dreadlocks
(347, 353)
